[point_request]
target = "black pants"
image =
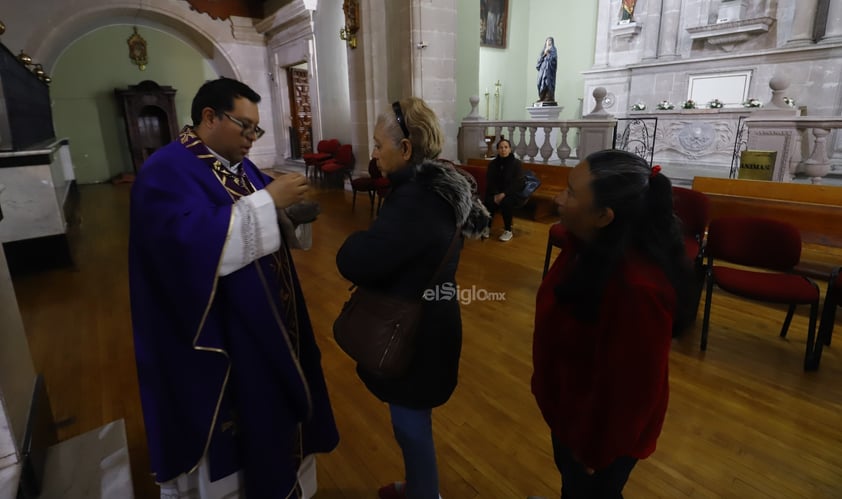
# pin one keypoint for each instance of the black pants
(607, 483)
(506, 207)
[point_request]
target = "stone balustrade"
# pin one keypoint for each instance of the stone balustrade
(801, 143)
(533, 141)
(538, 141)
(689, 143)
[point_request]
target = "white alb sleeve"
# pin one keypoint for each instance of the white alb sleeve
(254, 232)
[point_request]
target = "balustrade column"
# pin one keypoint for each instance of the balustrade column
(563, 147)
(547, 148)
(819, 164)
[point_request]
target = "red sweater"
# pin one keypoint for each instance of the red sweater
(603, 387)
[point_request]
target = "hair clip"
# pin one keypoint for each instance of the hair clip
(655, 170)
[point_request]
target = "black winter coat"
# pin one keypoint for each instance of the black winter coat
(505, 175)
(398, 255)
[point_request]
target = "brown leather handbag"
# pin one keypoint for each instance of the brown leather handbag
(378, 330)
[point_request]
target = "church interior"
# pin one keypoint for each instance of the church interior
(737, 101)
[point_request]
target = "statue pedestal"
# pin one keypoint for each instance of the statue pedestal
(545, 113)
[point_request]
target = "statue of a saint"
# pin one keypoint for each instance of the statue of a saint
(547, 65)
(627, 11)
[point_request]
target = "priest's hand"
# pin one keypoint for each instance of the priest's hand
(288, 189)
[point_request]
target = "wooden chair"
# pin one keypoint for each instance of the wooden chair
(764, 244)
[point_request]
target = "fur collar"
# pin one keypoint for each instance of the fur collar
(458, 188)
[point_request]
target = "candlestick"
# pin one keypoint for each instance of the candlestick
(497, 95)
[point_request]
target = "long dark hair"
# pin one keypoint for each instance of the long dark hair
(643, 221)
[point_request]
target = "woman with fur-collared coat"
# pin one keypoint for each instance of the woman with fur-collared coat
(399, 254)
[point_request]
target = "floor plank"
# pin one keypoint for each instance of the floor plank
(744, 419)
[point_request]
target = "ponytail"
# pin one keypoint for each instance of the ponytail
(662, 239)
(641, 199)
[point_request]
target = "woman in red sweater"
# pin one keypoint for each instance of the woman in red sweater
(604, 319)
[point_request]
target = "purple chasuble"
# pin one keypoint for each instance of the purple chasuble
(227, 366)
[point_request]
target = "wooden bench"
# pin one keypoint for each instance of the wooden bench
(815, 209)
(553, 180)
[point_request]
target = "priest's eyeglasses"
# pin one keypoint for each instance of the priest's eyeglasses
(248, 130)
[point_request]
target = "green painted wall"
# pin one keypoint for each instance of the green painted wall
(571, 22)
(467, 56)
(84, 106)
(507, 65)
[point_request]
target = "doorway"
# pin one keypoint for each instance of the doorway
(301, 124)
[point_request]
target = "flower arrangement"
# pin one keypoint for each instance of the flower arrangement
(639, 106)
(688, 104)
(789, 101)
(665, 105)
(716, 104)
(753, 103)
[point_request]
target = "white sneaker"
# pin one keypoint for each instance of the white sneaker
(506, 235)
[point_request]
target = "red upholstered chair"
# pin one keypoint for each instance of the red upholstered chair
(556, 238)
(371, 185)
(325, 150)
(692, 208)
(342, 162)
(832, 300)
(765, 244)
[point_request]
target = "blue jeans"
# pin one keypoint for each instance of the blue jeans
(414, 433)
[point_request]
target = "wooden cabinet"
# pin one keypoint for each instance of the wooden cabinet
(151, 122)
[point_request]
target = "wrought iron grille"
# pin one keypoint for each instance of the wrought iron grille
(636, 135)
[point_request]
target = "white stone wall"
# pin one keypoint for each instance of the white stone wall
(654, 60)
(433, 48)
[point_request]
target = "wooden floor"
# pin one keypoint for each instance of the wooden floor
(744, 419)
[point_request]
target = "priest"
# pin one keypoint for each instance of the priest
(234, 399)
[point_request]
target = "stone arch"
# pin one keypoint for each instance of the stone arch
(53, 40)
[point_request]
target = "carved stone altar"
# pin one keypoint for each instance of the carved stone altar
(695, 142)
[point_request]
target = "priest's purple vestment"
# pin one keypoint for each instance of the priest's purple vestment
(228, 365)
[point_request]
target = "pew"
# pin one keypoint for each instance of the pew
(815, 209)
(553, 180)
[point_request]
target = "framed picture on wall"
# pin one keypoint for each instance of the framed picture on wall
(731, 88)
(493, 23)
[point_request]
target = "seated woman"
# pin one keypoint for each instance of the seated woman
(504, 187)
(605, 316)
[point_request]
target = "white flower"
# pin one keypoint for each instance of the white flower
(639, 106)
(665, 105)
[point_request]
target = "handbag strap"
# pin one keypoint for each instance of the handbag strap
(447, 256)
